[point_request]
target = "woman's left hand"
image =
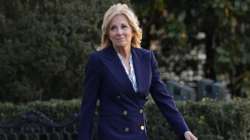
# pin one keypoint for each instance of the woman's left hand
(190, 136)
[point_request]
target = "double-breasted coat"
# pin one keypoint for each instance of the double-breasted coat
(121, 115)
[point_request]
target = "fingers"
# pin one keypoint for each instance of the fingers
(189, 136)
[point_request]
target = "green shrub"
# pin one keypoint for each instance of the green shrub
(208, 119)
(44, 47)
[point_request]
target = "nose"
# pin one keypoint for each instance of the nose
(119, 31)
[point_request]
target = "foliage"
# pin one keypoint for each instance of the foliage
(58, 110)
(208, 119)
(44, 47)
(210, 38)
(44, 44)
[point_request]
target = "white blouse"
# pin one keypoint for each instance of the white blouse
(130, 72)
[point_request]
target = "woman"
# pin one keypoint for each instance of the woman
(121, 75)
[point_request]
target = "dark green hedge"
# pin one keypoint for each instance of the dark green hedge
(44, 47)
(209, 120)
(56, 109)
(44, 44)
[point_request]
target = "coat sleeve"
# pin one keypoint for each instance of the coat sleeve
(165, 101)
(92, 84)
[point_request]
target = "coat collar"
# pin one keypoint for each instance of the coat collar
(115, 66)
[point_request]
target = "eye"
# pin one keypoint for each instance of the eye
(124, 26)
(112, 28)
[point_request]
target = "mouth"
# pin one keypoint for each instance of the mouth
(119, 38)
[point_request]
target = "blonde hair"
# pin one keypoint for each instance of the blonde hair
(121, 9)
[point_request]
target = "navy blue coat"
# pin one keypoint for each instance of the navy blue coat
(121, 115)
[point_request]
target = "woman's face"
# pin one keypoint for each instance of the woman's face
(120, 32)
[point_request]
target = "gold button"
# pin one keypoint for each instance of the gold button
(126, 129)
(141, 111)
(125, 112)
(98, 102)
(142, 127)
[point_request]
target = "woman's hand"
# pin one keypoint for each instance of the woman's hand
(189, 136)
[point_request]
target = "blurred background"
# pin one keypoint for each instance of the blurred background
(202, 48)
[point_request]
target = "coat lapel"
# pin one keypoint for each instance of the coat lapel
(141, 71)
(137, 68)
(115, 66)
